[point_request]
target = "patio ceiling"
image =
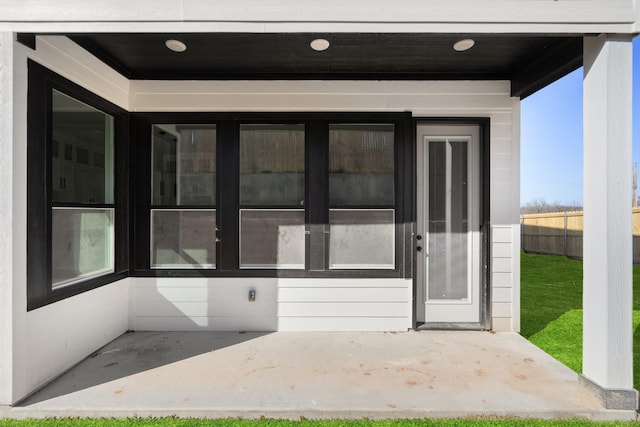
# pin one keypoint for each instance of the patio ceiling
(529, 61)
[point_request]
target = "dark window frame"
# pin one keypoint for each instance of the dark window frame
(42, 82)
(316, 191)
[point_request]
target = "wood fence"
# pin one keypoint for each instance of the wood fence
(560, 233)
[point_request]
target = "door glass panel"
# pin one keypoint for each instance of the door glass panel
(448, 221)
(361, 164)
(183, 165)
(272, 165)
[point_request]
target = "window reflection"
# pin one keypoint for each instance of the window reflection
(448, 220)
(183, 165)
(272, 238)
(361, 164)
(183, 238)
(81, 152)
(272, 165)
(362, 239)
(82, 244)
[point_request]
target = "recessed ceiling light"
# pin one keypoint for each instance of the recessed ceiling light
(175, 45)
(320, 44)
(464, 44)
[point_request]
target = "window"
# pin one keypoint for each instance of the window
(82, 212)
(361, 196)
(77, 230)
(290, 195)
(183, 196)
(272, 196)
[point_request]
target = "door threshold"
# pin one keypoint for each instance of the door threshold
(435, 326)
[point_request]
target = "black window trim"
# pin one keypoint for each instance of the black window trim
(316, 198)
(41, 83)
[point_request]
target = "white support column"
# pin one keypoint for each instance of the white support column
(13, 222)
(607, 301)
(6, 232)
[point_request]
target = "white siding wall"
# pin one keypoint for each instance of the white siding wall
(46, 341)
(505, 220)
(299, 307)
(62, 334)
(222, 304)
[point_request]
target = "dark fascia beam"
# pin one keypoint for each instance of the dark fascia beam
(27, 39)
(545, 69)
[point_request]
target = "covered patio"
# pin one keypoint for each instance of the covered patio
(318, 375)
(446, 75)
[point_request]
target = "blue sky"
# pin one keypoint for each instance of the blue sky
(551, 138)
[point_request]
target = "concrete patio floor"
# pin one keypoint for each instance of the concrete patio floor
(317, 375)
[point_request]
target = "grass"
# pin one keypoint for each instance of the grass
(551, 308)
(177, 422)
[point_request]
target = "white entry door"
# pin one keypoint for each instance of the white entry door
(448, 225)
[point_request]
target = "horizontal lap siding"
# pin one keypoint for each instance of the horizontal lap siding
(424, 98)
(66, 58)
(505, 234)
(503, 274)
(191, 304)
(330, 294)
(343, 309)
(207, 323)
(281, 304)
(345, 304)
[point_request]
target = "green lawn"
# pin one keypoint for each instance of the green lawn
(551, 308)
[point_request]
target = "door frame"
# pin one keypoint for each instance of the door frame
(484, 124)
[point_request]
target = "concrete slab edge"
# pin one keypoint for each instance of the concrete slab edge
(293, 414)
(613, 398)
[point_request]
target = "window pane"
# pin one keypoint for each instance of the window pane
(361, 165)
(81, 152)
(272, 238)
(183, 165)
(362, 239)
(183, 239)
(272, 165)
(448, 224)
(81, 243)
